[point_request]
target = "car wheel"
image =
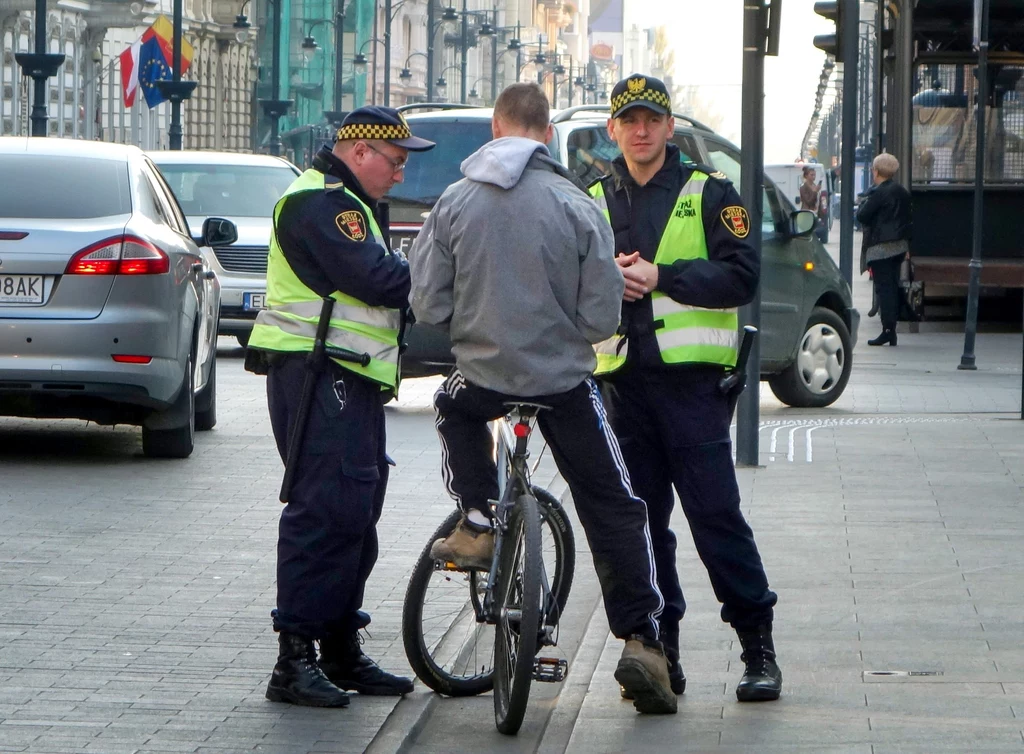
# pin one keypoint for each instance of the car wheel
(177, 442)
(243, 339)
(206, 401)
(822, 367)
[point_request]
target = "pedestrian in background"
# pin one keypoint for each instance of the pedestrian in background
(810, 191)
(517, 261)
(887, 217)
(681, 234)
(328, 241)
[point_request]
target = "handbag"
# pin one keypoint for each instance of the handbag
(911, 293)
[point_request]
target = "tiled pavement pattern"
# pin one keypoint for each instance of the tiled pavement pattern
(895, 550)
(136, 593)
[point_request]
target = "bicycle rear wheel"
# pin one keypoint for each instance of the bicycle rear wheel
(447, 648)
(518, 596)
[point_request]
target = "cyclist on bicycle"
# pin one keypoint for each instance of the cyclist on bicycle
(518, 262)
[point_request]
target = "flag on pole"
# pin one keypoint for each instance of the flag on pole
(152, 68)
(130, 73)
(163, 30)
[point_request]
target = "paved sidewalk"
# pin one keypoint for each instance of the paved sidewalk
(891, 527)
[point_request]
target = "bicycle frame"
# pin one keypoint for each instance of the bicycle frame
(517, 483)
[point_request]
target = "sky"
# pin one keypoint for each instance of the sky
(707, 37)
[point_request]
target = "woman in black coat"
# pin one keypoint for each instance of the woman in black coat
(887, 218)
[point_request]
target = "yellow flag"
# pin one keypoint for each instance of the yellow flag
(163, 29)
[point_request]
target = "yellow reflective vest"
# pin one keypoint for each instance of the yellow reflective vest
(685, 334)
(290, 320)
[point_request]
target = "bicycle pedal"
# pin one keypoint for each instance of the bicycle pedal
(549, 669)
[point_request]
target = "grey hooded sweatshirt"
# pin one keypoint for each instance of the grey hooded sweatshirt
(518, 261)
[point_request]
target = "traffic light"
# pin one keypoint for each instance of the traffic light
(831, 44)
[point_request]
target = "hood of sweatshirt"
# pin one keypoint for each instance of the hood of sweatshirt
(501, 162)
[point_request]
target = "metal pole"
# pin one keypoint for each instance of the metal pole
(339, 57)
(465, 53)
(967, 360)
(174, 134)
(519, 54)
(571, 82)
(752, 193)
(275, 84)
(431, 31)
(38, 116)
(387, 53)
(494, 60)
(851, 33)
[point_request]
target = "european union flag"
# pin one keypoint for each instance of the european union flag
(152, 68)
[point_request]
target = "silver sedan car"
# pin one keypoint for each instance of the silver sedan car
(108, 306)
(243, 188)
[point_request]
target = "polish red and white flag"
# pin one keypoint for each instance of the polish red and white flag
(130, 73)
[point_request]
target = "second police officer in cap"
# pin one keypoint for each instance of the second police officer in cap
(328, 241)
(681, 240)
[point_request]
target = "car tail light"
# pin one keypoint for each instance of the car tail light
(121, 255)
(99, 259)
(129, 358)
(141, 258)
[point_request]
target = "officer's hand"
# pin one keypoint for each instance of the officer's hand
(625, 260)
(641, 278)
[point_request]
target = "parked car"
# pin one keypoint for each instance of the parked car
(788, 177)
(808, 321)
(108, 306)
(244, 189)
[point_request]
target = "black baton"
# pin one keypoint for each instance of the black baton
(314, 363)
(735, 380)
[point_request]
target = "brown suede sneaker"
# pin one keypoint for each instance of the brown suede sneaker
(466, 547)
(643, 674)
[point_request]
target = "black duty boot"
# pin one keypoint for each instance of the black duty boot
(888, 336)
(762, 679)
(676, 679)
(297, 679)
(345, 664)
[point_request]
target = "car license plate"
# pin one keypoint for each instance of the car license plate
(253, 301)
(21, 289)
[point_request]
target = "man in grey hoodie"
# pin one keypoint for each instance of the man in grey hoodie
(518, 262)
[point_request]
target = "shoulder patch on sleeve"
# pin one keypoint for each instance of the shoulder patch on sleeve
(339, 186)
(711, 171)
(352, 225)
(736, 220)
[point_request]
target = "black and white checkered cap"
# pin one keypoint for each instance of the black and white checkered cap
(383, 123)
(638, 90)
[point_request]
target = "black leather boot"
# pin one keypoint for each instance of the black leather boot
(297, 679)
(888, 336)
(345, 664)
(676, 679)
(762, 679)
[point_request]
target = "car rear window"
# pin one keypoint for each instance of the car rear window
(62, 187)
(227, 190)
(428, 174)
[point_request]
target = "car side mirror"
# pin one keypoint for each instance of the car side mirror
(218, 232)
(802, 222)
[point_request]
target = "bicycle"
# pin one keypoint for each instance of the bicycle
(446, 626)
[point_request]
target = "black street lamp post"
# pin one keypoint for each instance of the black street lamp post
(310, 44)
(40, 66)
(176, 90)
(275, 107)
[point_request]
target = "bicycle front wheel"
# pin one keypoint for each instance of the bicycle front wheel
(448, 649)
(518, 597)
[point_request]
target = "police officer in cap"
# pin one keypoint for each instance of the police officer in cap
(681, 242)
(328, 240)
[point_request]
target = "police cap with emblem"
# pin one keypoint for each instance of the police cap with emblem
(384, 124)
(640, 91)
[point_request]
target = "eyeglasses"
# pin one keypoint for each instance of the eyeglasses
(397, 165)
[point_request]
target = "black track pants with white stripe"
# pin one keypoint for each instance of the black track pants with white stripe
(588, 457)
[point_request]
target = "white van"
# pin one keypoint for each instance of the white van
(790, 175)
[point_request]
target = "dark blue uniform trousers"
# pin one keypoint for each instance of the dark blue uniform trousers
(673, 427)
(327, 536)
(587, 456)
